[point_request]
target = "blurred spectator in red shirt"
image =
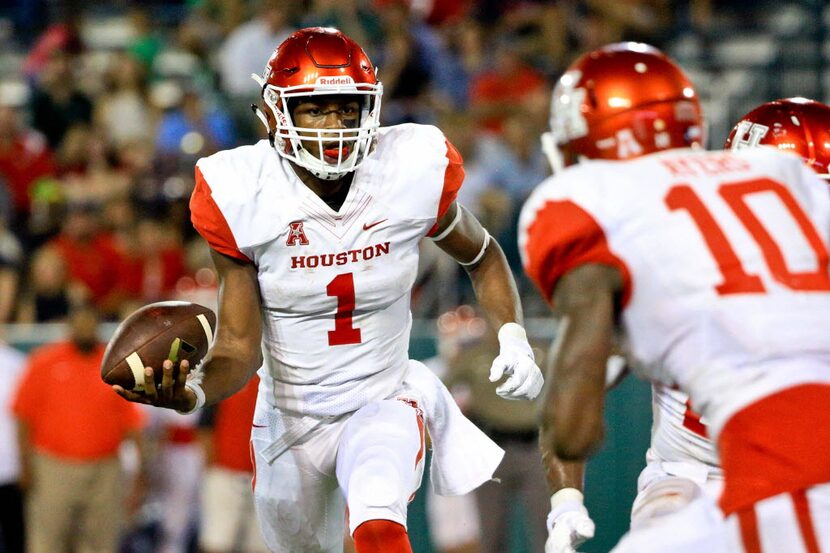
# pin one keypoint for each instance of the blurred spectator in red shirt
(153, 260)
(70, 428)
(25, 157)
(510, 85)
(228, 521)
(88, 167)
(90, 255)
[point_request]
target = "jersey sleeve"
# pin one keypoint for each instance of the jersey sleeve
(209, 221)
(561, 237)
(453, 178)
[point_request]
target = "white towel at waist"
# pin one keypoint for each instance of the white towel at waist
(463, 457)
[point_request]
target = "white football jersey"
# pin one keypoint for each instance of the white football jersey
(335, 285)
(724, 259)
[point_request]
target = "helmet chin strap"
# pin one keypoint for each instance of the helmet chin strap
(552, 152)
(259, 113)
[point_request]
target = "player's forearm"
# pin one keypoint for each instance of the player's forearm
(226, 371)
(495, 288)
(237, 351)
(561, 473)
(572, 419)
(574, 402)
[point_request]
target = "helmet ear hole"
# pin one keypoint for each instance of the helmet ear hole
(591, 97)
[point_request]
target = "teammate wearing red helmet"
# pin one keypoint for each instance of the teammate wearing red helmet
(796, 125)
(622, 101)
(681, 252)
(317, 249)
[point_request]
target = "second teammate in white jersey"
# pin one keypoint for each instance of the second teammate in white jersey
(316, 247)
(715, 267)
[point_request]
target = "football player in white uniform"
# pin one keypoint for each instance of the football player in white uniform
(680, 457)
(715, 268)
(316, 247)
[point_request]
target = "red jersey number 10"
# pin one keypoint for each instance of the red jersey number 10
(736, 280)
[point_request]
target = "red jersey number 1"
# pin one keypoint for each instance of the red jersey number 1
(342, 287)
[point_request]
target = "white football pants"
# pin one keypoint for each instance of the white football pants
(370, 461)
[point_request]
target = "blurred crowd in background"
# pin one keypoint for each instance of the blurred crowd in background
(105, 108)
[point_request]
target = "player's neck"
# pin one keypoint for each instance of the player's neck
(333, 192)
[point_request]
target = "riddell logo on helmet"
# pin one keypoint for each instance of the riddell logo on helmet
(335, 80)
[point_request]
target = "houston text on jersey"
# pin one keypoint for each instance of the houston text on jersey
(341, 258)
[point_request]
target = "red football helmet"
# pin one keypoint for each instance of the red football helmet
(795, 125)
(313, 62)
(621, 101)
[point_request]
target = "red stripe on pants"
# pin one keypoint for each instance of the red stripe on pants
(253, 463)
(805, 522)
(420, 417)
(749, 530)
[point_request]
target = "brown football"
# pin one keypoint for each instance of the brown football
(175, 330)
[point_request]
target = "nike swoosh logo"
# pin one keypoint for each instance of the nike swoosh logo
(367, 227)
(259, 426)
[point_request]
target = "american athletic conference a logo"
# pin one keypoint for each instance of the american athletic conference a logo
(296, 234)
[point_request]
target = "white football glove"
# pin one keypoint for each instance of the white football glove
(516, 360)
(568, 522)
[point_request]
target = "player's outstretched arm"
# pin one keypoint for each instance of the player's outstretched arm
(236, 352)
(461, 235)
(571, 424)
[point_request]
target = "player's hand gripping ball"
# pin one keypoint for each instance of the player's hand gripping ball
(174, 330)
